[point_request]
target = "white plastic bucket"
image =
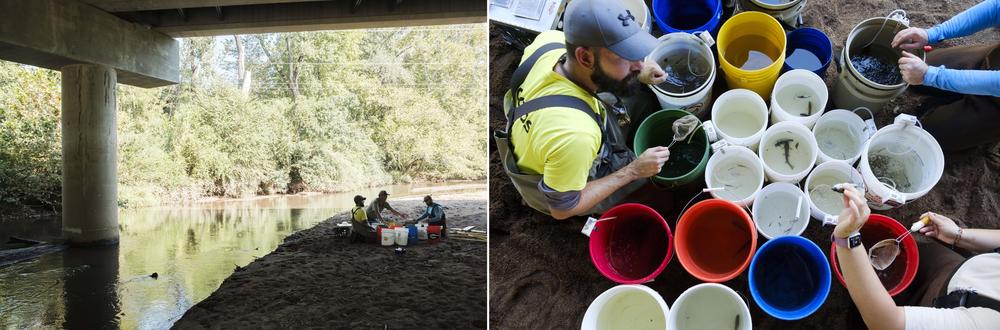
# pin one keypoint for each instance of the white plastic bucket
(422, 232)
(824, 203)
(641, 12)
(678, 47)
(900, 163)
(841, 135)
(801, 152)
(781, 209)
(387, 236)
(709, 306)
(632, 306)
(799, 96)
(402, 235)
(739, 117)
(737, 171)
(787, 12)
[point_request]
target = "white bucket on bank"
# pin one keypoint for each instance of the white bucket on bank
(709, 306)
(781, 209)
(841, 134)
(734, 173)
(422, 231)
(788, 151)
(824, 203)
(788, 12)
(686, 56)
(387, 236)
(402, 235)
(900, 163)
(799, 96)
(632, 306)
(641, 12)
(739, 117)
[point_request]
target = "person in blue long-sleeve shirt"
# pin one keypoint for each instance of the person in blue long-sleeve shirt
(970, 75)
(434, 215)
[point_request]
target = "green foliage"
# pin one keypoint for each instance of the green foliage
(326, 111)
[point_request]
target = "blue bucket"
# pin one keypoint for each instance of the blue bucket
(411, 234)
(812, 40)
(688, 15)
(789, 277)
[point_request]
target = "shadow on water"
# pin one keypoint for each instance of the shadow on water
(191, 248)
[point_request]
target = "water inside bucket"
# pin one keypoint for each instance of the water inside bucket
(893, 275)
(738, 124)
(798, 100)
(739, 180)
(637, 246)
(688, 15)
(684, 158)
(803, 59)
(632, 309)
(720, 241)
(751, 52)
(787, 153)
(686, 71)
(777, 214)
(709, 308)
(787, 277)
(774, 2)
(822, 194)
(900, 171)
(879, 64)
(837, 140)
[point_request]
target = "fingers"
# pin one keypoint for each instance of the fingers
(908, 55)
(854, 209)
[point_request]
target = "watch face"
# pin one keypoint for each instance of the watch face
(854, 240)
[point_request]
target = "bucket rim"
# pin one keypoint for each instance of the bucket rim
(696, 270)
(912, 251)
(777, 186)
(644, 126)
(829, 59)
(761, 73)
(661, 43)
(791, 126)
(663, 264)
(768, 6)
(935, 149)
(711, 25)
(743, 303)
(850, 65)
(592, 313)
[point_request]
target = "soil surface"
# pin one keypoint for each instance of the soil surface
(541, 275)
(314, 279)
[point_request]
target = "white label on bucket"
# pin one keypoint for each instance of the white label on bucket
(870, 128)
(589, 226)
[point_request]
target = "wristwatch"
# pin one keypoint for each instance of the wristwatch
(850, 242)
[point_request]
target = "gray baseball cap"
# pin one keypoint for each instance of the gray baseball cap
(606, 23)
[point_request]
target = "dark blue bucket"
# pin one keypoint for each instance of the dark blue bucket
(688, 15)
(811, 40)
(789, 277)
(411, 234)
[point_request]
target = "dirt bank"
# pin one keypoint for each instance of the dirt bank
(316, 280)
(540, 272)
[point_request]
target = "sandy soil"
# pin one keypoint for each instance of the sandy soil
(316, 280)
(540, 272)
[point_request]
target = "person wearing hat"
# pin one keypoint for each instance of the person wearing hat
(375, 208)
(434, 215)
(563, 146)
(361, 229)
(965, 78)
(949, 290)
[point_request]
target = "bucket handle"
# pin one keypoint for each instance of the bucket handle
(869, 111)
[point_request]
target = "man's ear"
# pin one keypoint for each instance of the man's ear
(585, 57)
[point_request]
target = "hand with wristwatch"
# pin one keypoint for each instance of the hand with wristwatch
(854, 215)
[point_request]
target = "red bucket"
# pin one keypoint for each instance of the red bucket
(900, 274)
(716, 240)
(433, 233)
(632, 248)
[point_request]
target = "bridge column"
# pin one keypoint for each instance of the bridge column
(90, 154)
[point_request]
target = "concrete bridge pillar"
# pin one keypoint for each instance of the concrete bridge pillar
(90, 154)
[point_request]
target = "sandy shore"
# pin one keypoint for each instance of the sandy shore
(316, 280)
(536, 261)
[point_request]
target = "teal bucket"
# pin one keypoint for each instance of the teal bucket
(687, 159)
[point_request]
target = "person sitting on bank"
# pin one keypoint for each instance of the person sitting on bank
(966, 76)
(964, 293)
(381, 203)
(434, 215)
(564, 147)
(361, 229)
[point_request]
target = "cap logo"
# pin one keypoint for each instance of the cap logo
(626, 17)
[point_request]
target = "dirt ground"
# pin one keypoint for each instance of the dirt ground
(541, 275)
(316, 280)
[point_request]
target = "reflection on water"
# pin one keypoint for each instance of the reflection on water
(191, 248)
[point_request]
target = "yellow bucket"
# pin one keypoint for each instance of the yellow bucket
(746, 32)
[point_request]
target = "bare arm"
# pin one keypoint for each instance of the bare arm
(974, 240)
(876, 306)
(647, 165)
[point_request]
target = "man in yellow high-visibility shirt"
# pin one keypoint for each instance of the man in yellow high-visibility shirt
(564, 148)
(361, 228)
